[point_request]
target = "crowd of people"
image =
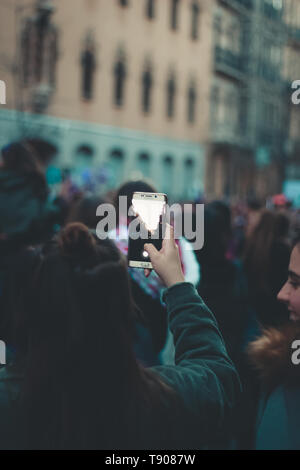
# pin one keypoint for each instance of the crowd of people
(196, 354)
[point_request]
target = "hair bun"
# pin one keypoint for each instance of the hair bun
(75, 239)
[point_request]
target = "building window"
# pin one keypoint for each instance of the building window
(150, 9)
(189, 177)
(26, 48)
(124, 3)
(84, 155)
(39, 51)
(171, 91)
(120, 77)
(81, 165)
(243, 113)
(88, 65)
(195, 20)
(116, 168)
(144, 164)
(53, 56)
(215, 105)
(192, 98)
(147, 83)
(174, 14)
(168, 175)
(218, 28)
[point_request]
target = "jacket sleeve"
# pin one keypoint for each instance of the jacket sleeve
(203, 375)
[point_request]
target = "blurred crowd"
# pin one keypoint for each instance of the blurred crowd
(247, 274)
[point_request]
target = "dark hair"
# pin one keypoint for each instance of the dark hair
(217, 230)
(273, 227)
(84, 211)
(83, 384)
(254, 204)
(22, 158)
(44, 150)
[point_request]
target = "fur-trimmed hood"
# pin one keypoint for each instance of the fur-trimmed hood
(271, 355)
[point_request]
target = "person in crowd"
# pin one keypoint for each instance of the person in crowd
(223, 284)
(147, 292)
(83, 388)
(26, 215)
(266, 263)
(281, 203)
(238, 227)
(275, 357)
(254, 212)
(84, 210)
(223, 287)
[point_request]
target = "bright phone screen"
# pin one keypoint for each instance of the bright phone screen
(148, 208)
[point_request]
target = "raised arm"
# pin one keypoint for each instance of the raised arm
(203, 376)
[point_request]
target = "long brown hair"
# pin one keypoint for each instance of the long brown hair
(272, 227)
(84, 388)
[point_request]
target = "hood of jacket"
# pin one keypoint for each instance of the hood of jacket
(271, 355)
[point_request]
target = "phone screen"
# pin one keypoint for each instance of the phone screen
(148, 209)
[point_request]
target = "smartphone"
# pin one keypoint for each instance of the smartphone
(148, 211)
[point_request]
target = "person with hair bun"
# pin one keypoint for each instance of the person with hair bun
(83, 387)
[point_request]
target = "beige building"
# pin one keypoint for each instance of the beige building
(135, 73)
(190, 94)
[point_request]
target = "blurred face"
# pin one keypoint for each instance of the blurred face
(290, 293)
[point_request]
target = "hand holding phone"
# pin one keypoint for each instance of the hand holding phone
(166, 262)
(148, 210)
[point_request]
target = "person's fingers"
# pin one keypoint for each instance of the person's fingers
(151, 250)
(169, 236)
(147, 272)
(170, 231)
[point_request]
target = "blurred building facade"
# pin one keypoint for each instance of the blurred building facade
(249, 99)
(292, 73)
(123, 84)
(194, 95)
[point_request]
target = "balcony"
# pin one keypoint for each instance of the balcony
(228, 134)
(230, 64)
(241, 6)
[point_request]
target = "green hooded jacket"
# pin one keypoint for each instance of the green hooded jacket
(203, 377)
